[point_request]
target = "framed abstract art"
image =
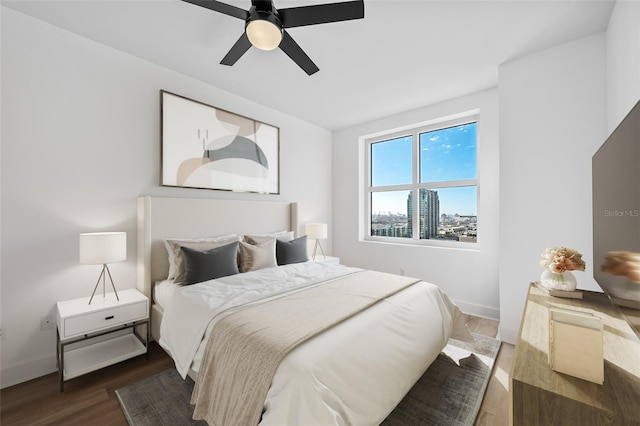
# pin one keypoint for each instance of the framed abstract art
(210, 148)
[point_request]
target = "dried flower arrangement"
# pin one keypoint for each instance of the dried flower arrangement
(561, 259)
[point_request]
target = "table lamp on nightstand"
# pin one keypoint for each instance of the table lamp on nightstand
(317, 231)
(100, 248)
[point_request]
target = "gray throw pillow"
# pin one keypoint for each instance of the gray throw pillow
(210, 264)
(294, 251)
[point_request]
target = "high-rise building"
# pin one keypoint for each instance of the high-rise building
(410, 215)
(429, 213)
(429, 205)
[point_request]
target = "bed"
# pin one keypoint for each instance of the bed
(355, 371)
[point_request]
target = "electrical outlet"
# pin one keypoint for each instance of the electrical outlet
(46, 323)
(3, 333)
(401, 271)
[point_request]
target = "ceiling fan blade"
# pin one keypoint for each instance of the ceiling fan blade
(295, 52)
(238, 49)
(321, 13)
(217, 6)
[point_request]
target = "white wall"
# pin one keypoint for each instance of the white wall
(623, 61)
(552, 120)
(80, 141)
(470, 277)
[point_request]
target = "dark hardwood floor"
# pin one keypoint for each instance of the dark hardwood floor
(91, 399)
(86, 400)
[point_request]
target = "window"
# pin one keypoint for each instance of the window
(422, 184)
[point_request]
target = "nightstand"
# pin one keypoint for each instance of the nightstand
(91, 337)
(328, 259)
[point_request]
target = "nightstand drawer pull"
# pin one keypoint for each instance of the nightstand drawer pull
(109, 317)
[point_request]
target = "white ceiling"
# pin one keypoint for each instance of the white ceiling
(402, 55)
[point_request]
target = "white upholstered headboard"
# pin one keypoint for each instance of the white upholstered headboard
(161, 217)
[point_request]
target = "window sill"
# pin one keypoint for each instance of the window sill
(433, 244)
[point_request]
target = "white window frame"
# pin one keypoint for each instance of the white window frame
(414, 131)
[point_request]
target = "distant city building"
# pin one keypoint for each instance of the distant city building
(433, 224)
(389, 225)
(410, 215)
(429, 213)
(429, 205)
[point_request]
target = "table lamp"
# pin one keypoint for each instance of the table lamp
(317, 231)
(101, 248)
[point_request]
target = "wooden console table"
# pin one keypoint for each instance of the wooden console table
(541, 396)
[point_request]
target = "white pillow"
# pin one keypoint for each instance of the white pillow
(261, 238)
(257, 256)
(171, 252)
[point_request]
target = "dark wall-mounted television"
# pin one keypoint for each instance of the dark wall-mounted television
(616, 213)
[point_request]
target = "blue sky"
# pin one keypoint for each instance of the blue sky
(446, 154)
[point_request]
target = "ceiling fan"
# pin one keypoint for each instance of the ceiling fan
(265, 26)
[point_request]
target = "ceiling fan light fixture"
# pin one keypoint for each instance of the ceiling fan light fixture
(265, 34)
(264, 26)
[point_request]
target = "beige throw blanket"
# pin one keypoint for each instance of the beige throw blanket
(246, 347)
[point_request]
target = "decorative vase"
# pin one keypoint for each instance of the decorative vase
(563, 281)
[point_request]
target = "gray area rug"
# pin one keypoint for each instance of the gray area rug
(448, 393)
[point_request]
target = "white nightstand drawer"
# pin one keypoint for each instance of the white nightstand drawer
(95, 321)
(77, 317)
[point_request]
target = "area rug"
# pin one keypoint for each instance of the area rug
(449, 392)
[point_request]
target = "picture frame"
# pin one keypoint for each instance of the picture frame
(206, 147)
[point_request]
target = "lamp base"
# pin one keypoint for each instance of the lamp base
(315, 249)
(103, 276)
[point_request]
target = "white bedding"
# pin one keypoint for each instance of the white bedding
(356, 373)
(163, 292)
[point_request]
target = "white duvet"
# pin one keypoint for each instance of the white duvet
(355, 373)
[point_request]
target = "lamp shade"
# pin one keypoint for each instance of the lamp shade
(99, 248)
(316, 231)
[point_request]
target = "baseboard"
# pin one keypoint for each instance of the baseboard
(478, 310)
(27, 371)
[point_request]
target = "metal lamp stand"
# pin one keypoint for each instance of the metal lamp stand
(104, 276)
(315, 248)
